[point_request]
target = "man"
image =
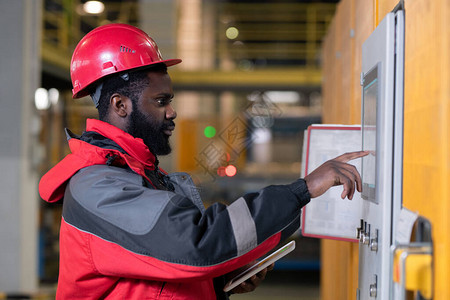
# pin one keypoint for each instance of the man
(129, 230)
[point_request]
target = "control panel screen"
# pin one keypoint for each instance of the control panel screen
(369, 134)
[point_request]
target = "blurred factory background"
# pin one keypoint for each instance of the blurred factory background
(254, 75)
(249, 85)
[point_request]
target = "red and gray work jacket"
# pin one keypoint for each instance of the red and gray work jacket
(130, 231)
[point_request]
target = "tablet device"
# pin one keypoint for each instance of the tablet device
(258, 266)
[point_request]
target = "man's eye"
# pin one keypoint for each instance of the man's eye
(163, 101)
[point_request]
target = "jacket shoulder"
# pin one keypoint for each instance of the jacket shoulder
(115, 195)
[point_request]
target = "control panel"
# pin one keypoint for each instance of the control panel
(382, 136)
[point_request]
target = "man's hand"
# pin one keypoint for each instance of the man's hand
(253, 282)
(336, 172)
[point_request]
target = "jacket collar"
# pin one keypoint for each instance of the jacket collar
(134, 147)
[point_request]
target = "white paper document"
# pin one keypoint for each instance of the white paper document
(405, 224)
(330, 216)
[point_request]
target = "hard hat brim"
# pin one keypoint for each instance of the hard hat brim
(168, 62)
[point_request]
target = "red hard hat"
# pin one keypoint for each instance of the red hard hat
(110, 49)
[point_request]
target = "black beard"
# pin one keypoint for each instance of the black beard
(150, 132)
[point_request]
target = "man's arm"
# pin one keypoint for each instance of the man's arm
(162, 236)
(336, 172)
(331, 173)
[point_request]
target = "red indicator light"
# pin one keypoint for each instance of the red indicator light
(230, 170)
(221, 171)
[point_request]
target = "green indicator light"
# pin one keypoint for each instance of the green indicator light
(209, 131)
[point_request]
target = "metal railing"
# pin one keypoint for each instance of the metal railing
(64, 24)
(282, 34)
(270, 34)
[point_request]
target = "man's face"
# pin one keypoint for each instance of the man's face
(152, 117)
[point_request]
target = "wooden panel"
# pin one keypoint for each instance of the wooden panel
(384, 7)
(337, 62)
(345, 25)
(427, 125)
(339, 273)
(342, 104)
(187, 143)
(331, 261)
(328, 79)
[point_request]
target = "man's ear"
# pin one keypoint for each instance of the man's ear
(120, 105)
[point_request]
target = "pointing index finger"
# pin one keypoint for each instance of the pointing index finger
(351, 155)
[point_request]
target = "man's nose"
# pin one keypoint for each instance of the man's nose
(170, 112)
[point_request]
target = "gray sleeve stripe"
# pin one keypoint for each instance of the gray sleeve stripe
(243, 226)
